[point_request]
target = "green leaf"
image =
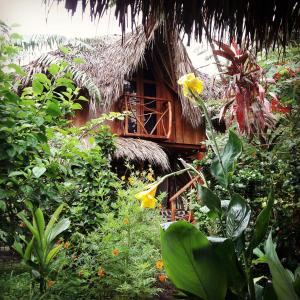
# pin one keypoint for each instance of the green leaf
(37, 87)
(57, 229)
(78, 60)
(17, 69)
(210, 199)
(225, 251)
(42, 78)
(17, 246)
(53, 219)
(53, 109)
(82, 98)
(2, 205)
(27, 223)
(238, 216)
(16, 173)
(281, 281)
(76, 106)
(64, 50)
(38, 171)
(53, 69)
(65, 82)
(28, 250)
(191, 263)
(52, 253)
(231, 152)
(40, 225)
(297, 281)
(261, 224)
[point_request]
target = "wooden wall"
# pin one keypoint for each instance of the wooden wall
(182, 132)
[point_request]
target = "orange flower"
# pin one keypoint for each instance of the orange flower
(50, 283)
(159, 264)
(115, 252)
(67, 245)
(101, 272)
(126, 221)
(162, 278)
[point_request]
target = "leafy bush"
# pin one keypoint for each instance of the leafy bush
(40, 252)
(123, 255)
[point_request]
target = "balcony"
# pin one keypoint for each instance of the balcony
(149, 117)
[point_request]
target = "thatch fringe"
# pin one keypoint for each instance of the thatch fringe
(263, 23)
(142, 151)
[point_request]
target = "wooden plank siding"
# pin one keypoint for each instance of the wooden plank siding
(182, 133)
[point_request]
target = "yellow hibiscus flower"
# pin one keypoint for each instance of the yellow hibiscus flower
(147, 197)
(191, 83)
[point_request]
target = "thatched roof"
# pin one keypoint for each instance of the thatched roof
(139, 150)
(263, 22)
(110, 60)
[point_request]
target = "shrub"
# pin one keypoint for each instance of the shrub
(123, 255)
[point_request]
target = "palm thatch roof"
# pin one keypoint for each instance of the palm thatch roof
(111, 60)
(137, 150)
(141, 151)
(261, 22)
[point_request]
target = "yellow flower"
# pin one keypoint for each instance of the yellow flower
(123, 178)
(190, 84)
(162, 278)
(50, 283)
(101, 272)
(126, 221)
(159, 264)
(131, 180)
(115, 252)
(147, 197)
(150, 177)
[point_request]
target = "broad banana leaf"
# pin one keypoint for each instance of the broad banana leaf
(194, 263)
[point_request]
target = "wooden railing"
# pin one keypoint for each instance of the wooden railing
(148, 116)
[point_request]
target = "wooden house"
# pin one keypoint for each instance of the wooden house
(138, 73)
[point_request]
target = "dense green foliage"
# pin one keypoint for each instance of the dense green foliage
(40, 252)
(227, 257)
(46, 161)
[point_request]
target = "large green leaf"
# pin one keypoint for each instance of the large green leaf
(32, 229)
(231, 152)
(61, 226)
(52, 253)
(282, 282)
(261, 224)
(38, 171)
(225, 251)
(40, 225)
(238, 216)
(28, 250)
(191, 262)
(53, 219)
(18, 247)
(297, 281)
(210, 199)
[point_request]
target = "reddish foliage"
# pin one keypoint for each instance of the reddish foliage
(276, 106)
(245, 92)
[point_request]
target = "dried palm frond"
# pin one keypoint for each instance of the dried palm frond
(263, 23)
(139, 150)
